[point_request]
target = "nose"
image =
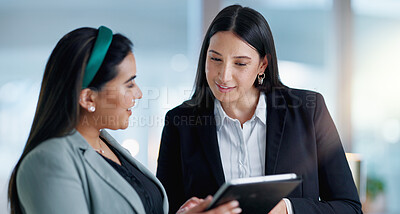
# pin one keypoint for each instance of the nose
(225, 74)
(138, 93)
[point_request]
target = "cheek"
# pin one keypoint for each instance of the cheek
(121, 98)
(127, 98)
(210, 71)
(247, 78)
(109, 100)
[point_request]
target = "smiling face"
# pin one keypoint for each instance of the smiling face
(232, 66)
(115, 100)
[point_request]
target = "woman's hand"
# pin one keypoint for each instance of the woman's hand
(189, 204)
(280, 208)
(196, 205)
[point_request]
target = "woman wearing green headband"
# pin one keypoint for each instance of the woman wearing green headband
(69, 163)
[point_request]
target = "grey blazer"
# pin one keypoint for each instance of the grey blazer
(65, 175)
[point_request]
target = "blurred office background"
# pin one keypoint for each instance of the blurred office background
(347, 50)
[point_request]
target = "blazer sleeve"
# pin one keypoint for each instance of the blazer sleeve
(169, 169)
(337, 190)
(48, 182)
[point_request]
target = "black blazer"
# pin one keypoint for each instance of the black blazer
(301, 138)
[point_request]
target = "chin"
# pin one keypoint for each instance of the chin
(119, 125)
(225, 98)
(112, 128)
(125, 126)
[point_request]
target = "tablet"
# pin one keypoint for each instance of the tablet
(256, 194)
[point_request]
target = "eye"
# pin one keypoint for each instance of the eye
(131, 84)
(216, 59)
(241, 64)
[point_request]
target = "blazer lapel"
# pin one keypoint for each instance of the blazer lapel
(276, 117)
(109, 175)
(207, 133)
(136, 163)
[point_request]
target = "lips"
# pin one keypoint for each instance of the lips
(129, 110)
(223, 88)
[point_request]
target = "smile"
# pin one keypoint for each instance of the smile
(129, 110)
(224, 89)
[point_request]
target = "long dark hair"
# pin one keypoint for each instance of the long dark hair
(250, 26)
(57, 111)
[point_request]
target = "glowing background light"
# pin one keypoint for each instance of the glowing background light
(179, 62)
(132, 146)
(391, 130)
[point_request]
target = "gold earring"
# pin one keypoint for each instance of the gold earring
(261, 78)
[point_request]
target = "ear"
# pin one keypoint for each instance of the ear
(263, 64)
(87, 98)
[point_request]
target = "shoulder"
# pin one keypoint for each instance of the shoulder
(52, 154)
(305, 102)
(54, 148)
(52, 171)
(300, 94)
(183, 109)
(186, 115)
(301, 98)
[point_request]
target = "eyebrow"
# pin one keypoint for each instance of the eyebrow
(212, 51)
(130, 79)
(237, 57)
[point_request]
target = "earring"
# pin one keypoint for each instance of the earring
(92, 109)
(261, 78)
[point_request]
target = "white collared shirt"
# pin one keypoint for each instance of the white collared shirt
(242, 150)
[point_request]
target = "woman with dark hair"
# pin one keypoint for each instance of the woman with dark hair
(242, 122)
(69, 163)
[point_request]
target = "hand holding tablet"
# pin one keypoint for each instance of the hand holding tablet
(197, 206)
(256, 194)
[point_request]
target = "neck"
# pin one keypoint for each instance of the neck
(89, 132)
(244, 108)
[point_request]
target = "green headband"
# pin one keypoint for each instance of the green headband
(103, 41)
